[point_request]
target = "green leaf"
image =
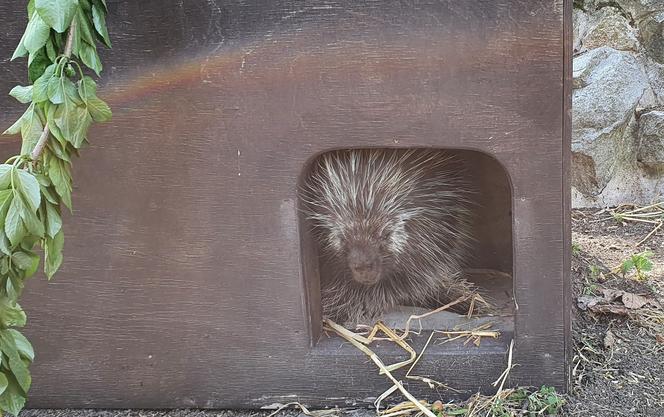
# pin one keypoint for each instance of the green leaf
(20, 50)
(58, 14)
(29, 186)
(22, 345)
(48, 195)
(29, 124)
(22, 260)
(19, 379)
(58, 147)
(21, 373)
(53, 220)
(29, 242)
(4, 270)
(14, 128)
(58, 172)
(14, 227)
(14, 286)
(627, 266)
(4, 244)
(7, 343)
(59, 40)
(71, 92)
(73, 122)
(3, 383)
(26, 261)
(102, 3)
(36, 34)
(31, 129)
(22, 94)
(88, 55)
(5, 201)
(99, 110)
(38, 62)
(18, 125)
(85, 27)
(87, 88)
(42, 179)
(64, 120)
(11, 315)
(82, 123)
(99, 19)
(13, 399)
(40, 87)
(5, 176)
(61, 88)
(33, 225)
(646, 265)
(51, 52)
(55, 90)
(642, 262)
(53, 253)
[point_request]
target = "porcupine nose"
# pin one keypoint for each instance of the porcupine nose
(364, 264)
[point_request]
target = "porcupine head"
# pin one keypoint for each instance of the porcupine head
(385, 229)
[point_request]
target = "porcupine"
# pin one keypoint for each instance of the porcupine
(393, 228)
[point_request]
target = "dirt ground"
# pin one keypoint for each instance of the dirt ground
(619, 361)
(619, 345)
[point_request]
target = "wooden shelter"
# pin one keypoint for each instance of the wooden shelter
(190, 278)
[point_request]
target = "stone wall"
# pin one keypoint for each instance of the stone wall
(618, 100)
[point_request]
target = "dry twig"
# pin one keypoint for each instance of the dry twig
(361, 342)
(651, 214)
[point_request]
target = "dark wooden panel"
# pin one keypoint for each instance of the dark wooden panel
(183, 283)
(567, 192)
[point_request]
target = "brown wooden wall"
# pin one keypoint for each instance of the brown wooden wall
(183, 283)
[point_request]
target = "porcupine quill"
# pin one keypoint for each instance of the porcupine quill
(394, 228)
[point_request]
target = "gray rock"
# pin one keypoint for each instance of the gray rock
(652, 34)
(655, 72)
(608, 27)
(639, 9)
(617, 156)
(608, 84)
(580, 25)
(651, 141)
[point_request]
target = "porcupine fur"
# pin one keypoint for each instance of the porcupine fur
(393, 228)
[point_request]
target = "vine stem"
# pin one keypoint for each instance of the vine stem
(41, 143)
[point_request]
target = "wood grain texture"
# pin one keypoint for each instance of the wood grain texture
(186, 281)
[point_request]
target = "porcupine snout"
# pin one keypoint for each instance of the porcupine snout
(364, 263)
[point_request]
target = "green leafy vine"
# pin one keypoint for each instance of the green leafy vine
(60, 38)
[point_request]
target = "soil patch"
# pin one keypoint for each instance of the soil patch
(619, 361)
